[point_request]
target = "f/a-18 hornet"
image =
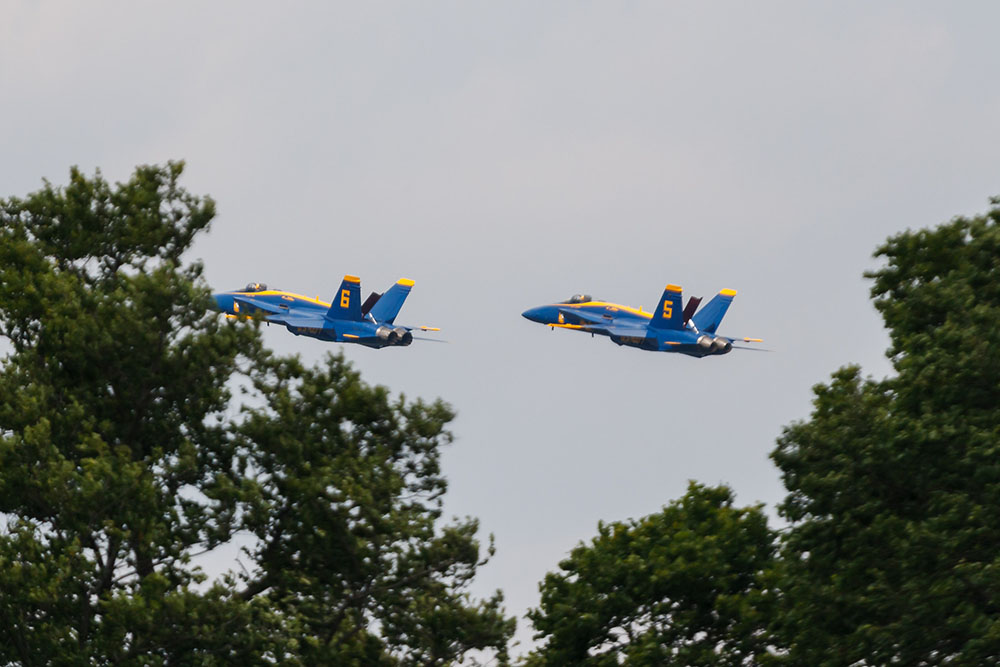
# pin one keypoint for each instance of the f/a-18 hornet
(669, 328)
(346, 320)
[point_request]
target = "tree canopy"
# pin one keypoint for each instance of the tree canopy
(893, 553)
(685, 586)
(892, 550)
(124, 454)
(139, 431)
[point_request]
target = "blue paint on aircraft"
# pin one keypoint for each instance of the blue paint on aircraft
(344, 320)
(669, 328)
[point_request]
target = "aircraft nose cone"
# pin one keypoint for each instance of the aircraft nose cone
(223, 302)
(534, 314)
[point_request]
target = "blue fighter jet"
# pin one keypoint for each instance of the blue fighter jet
(346, 320)
(669, 328)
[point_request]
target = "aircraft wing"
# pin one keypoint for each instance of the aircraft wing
(296, 320)
(619, 330)
(586, 317)
(256, 304)
(605, 327)
(600, 324)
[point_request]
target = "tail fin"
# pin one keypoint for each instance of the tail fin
(710, 317)
(369, 302)
(347, 301)
(387, 307)
(689, 309)
(670, 313)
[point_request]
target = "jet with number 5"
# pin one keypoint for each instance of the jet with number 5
(346, 320)
(669, 328)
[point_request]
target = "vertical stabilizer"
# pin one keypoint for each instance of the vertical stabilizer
(670, 313)
(369, 302)
(689, 309)
(387, 307)
(710, 317)
(347, 301)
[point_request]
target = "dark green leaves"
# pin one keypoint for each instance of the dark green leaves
(894, 484)
(346, 518)
(122, 458)
(685, 587)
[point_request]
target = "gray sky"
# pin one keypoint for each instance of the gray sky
(509, 154)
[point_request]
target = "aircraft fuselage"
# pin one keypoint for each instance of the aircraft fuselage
(627, 326)
(306, 316)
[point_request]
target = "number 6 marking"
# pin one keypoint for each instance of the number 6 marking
(345, 298)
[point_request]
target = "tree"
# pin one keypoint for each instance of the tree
(345, 519)
(893, 554)
(122, 456)
(686, 586)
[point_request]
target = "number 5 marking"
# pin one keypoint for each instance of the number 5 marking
(345, 298)
(668, 310)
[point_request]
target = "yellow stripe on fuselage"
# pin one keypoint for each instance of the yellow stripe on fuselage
(274, 292)
(606, 304)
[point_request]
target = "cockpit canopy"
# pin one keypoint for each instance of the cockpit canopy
(255, 287)
(579, 298)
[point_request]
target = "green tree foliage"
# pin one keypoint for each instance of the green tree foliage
(123, 456)
(893, 554)
(345, 520)
(685, 586)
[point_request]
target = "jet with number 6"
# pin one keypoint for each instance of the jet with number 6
(346, 320)
(669, 328)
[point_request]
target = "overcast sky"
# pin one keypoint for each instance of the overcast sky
(508, 154)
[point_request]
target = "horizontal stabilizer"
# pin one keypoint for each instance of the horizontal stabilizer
(432, 340)
(418, 328)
